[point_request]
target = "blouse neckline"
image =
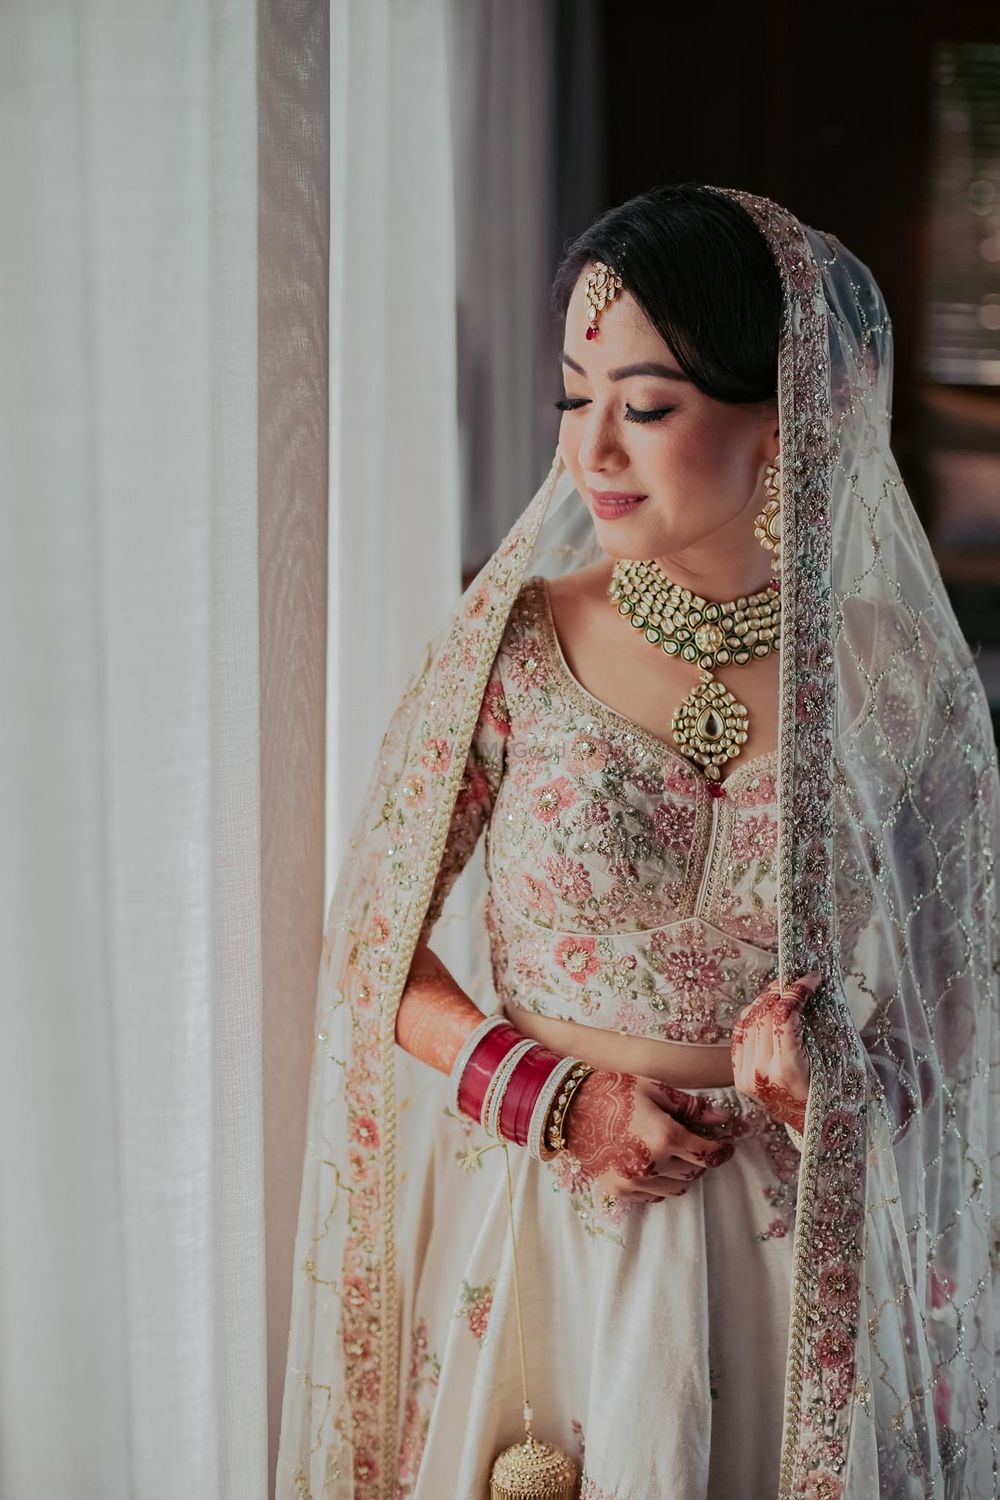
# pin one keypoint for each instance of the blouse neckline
(616, 719)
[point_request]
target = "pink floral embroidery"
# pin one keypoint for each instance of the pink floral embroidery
(680, 779)
(366, 1468)
(477, 604)
(838, 1284)
(550, 799)
(526, 663)
(494, 711)
(754, 837)
(365, 1131)
(691, 973)
(537, 898)
(567, 1172)
(759, 791)
(824, 1487)
(673, 826)
(569, 877)
(591, 1490)
(577, 957)
(436, 756)
(809, 702)
(474, 1306)
(378, 931)
(422, 1378)
(530, 972)
(839, 1129)
(586, 754)
(834, 1348)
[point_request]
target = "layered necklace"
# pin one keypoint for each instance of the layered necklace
(710, 726)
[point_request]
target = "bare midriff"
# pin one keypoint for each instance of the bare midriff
(683, 1064)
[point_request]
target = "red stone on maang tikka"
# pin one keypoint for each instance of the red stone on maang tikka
(602, 286)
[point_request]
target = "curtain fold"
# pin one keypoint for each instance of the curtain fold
(132, 1358)
(395, 528)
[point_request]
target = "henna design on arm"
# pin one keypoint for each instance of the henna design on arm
(777, 1007)
(435, 1014)
(598, 1127)
(779, 1102)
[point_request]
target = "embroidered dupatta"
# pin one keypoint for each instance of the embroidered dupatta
(888, 823)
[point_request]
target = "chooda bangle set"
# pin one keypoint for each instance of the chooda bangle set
(514, 1087)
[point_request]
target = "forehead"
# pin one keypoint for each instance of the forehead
(623, 326)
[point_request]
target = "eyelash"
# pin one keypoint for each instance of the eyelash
(573, 403)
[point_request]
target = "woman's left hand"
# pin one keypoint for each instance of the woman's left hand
(769, 1061)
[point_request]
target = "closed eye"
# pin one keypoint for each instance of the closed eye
(632, 413)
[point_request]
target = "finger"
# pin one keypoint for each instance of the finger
(702, 1151)
(787, 1036)
(755, 1054)
(671, 1174)
(749, 1014)
(692, 1109)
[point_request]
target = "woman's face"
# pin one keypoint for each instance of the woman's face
(699, 463)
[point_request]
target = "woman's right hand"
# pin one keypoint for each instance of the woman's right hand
(631, 1137)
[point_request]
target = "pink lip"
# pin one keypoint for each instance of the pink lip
(609, 503)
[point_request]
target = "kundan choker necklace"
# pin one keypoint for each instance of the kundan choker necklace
(710, 726)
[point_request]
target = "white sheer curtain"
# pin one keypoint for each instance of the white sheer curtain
(395, 531)
(132, 1358)
(502, 68)
(164, 643)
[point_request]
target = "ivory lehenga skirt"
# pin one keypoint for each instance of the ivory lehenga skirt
(655, 1333)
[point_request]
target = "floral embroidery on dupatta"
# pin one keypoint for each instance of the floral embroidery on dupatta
(421, 1382)
(591, 1490)
(474, 1306)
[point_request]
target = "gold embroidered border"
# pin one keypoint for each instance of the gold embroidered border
(389, 998)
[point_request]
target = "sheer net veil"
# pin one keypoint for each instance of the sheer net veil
(888, 826)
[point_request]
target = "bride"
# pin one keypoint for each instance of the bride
(704, 750)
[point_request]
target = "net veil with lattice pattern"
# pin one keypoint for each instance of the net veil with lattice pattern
(888, 824)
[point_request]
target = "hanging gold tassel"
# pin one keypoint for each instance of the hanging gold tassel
(533, 1468)
(529, 1468)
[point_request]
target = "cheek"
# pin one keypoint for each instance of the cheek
(570, 430)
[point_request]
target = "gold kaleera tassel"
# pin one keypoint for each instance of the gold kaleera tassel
(529, 1468)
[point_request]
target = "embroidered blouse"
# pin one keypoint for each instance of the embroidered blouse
(621, 892)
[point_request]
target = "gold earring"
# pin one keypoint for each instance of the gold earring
(767, 525)
(602, 286)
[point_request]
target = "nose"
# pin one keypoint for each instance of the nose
(600, 446)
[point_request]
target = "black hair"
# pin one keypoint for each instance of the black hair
(704, 275)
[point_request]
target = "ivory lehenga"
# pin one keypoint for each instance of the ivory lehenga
(814, 1325)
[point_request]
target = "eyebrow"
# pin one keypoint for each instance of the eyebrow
(647, 367)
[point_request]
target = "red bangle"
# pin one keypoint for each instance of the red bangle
(481, 1066)
(522, 1091)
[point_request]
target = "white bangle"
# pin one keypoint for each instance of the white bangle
(794, 1135)
(494, 1095)
(482, 1028)
(550, 1089)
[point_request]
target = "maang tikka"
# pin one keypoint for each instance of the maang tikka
(602, 286)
